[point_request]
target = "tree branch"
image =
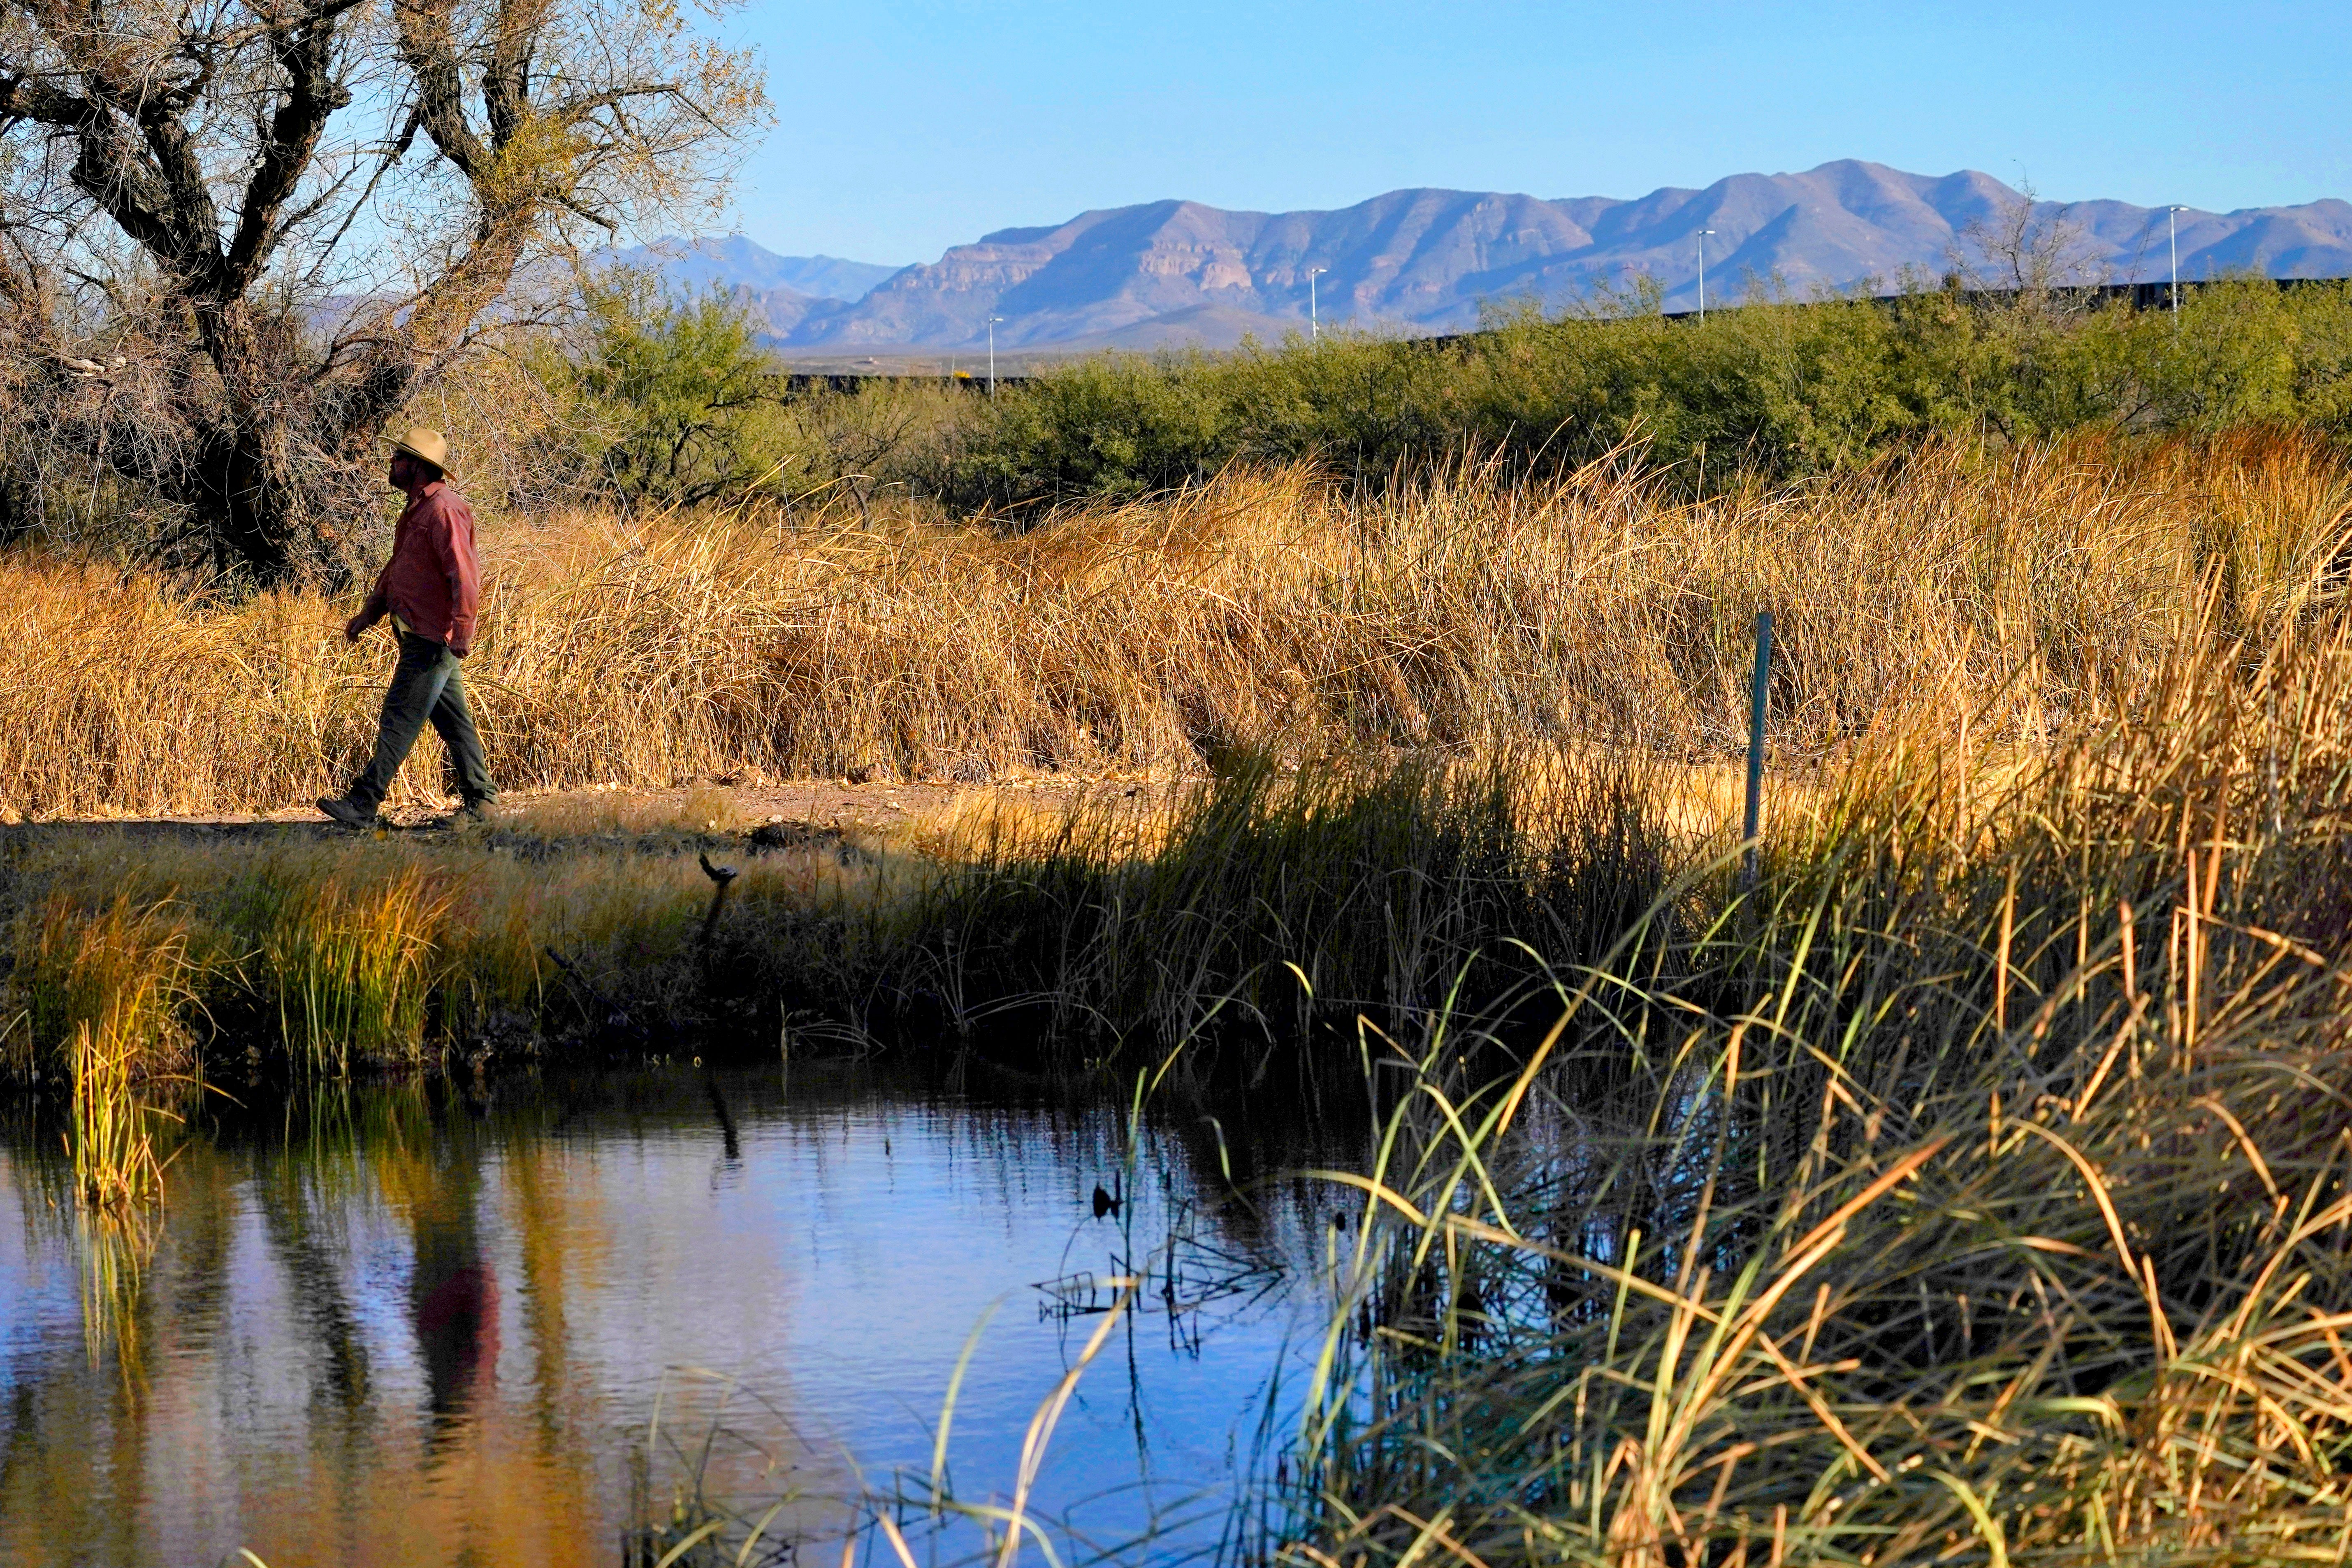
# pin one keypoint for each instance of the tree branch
(101, 51)
(431, 56)
(312, 94)
(107, 168)
(506, 80)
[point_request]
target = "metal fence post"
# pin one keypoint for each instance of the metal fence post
(1755, 746)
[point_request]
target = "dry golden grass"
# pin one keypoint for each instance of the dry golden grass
(1153, 637)
(1972, 1189)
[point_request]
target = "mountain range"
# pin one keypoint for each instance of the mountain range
(734, 262)
(1426, 261)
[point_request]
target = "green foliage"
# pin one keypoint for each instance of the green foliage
(1776, 387)
(1119, 425)
(667, 391)
(674, 402)
(670, 402)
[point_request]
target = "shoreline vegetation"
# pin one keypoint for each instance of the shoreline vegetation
(1976, 1190)
(1976, 1187)
(1389, 734)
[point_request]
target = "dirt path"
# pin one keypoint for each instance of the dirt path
(819, 804)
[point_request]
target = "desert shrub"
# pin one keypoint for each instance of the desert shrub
(663, 394)
(1777, 387)
(662, 401)
(881, 435)
(659, 401)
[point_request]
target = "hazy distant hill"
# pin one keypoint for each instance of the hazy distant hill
(1423, 260)
(738, 263)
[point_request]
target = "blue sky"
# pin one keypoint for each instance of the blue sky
(905, 126)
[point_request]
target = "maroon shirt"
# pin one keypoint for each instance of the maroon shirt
(433, 544)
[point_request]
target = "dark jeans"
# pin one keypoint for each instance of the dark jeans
(425, 685)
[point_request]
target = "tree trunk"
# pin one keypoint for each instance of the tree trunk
(246, 495)
(272, 479)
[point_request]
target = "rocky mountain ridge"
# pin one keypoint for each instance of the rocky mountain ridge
(1423, 261)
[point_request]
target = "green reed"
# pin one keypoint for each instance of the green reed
(347, 966)
(100, 997)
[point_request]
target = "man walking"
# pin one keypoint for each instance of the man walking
(431, 589)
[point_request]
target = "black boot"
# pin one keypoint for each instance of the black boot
(349, 814)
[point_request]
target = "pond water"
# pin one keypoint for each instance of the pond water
(403, 1326)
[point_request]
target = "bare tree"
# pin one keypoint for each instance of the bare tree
(2026, 249)
(291, 216)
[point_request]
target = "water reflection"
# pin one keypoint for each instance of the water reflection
(452, 1293)
(391, 1326)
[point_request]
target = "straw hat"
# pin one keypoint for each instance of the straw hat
(428, 445)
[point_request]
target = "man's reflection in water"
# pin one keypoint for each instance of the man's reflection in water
(453, 1298)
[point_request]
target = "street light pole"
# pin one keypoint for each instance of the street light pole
(1314, 316)
(992, 357)
(2172, 226)
(1702, 274)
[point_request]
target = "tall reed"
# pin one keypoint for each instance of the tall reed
(347, 965)
(1974, 1191)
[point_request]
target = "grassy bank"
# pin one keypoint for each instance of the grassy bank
(1247, 907)
(2019, 591)
(1971, 1189)
(1975, 1191)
